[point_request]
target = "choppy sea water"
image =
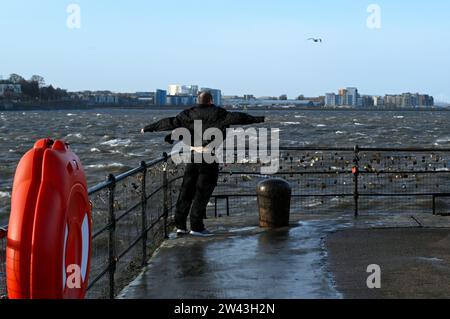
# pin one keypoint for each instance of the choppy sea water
(108, 141)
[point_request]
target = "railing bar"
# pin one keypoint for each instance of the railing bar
(442, 195)
(156, 162)
(104, 185)
(284, 173)
(100, 231)
(128, 212)
(99, 276)
(334, 173)
(344, 195)
(127, 250)
(154, 223)
(162, 187)
(399, 195)
(154, 192)
(130, 173)
(99, 187)
(364, 149)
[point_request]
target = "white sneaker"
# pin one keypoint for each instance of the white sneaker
(182, 232)
(205, 233)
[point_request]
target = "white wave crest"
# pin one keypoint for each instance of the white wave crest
(443, 140)
(112, 165)
(117, 142)
(77, 135)
(5, 195)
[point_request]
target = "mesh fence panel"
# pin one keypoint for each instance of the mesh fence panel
(100, 244)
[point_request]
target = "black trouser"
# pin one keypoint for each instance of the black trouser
(199, 183)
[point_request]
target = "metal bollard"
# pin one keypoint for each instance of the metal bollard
(274, 202)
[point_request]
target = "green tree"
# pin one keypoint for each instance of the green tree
(30, 89)
(16, 78)
(38, 79)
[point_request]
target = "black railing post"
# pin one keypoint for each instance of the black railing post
(112, 236)
(165, 196)
(144, 212)
(434, 204)
(355, 171)
(215, 207)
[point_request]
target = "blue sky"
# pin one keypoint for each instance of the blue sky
(241, 46)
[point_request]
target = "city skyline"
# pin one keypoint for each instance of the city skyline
(256, 47)
(193, 89)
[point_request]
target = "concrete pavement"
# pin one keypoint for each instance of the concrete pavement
(319, 256)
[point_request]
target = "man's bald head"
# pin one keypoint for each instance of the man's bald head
(205, 98)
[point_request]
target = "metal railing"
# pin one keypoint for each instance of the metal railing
(131, 217)
(347, 180)
(132, 212)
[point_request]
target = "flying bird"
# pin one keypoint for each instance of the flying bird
(315, 40)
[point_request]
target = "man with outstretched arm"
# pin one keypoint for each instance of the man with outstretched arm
(200, 179)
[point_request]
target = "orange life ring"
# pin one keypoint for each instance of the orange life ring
(49, 234)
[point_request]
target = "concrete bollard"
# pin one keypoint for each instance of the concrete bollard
(274, 202)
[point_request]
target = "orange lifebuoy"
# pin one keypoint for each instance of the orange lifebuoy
(49, 234)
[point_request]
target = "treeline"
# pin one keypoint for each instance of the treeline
(35, 88)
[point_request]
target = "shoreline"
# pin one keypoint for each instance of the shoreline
(72, 107)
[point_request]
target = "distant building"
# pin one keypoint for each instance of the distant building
(180, 100)
(173, 100)
(352, 97)
(10, 89)
(408, 100)
(366, 101)
(426, 100)
(378, 101)
(342, 92)
(175, 89)
(345, 97)
(331, 100)
(144, 94)
(106, 99)
(160, 97)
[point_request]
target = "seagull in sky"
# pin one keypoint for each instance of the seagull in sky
(316, 40)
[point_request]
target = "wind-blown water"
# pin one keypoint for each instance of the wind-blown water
(108, 141)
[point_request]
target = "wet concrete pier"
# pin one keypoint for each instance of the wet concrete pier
(316, 257)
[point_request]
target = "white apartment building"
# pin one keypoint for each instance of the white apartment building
(14, 89)
(175, 89)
